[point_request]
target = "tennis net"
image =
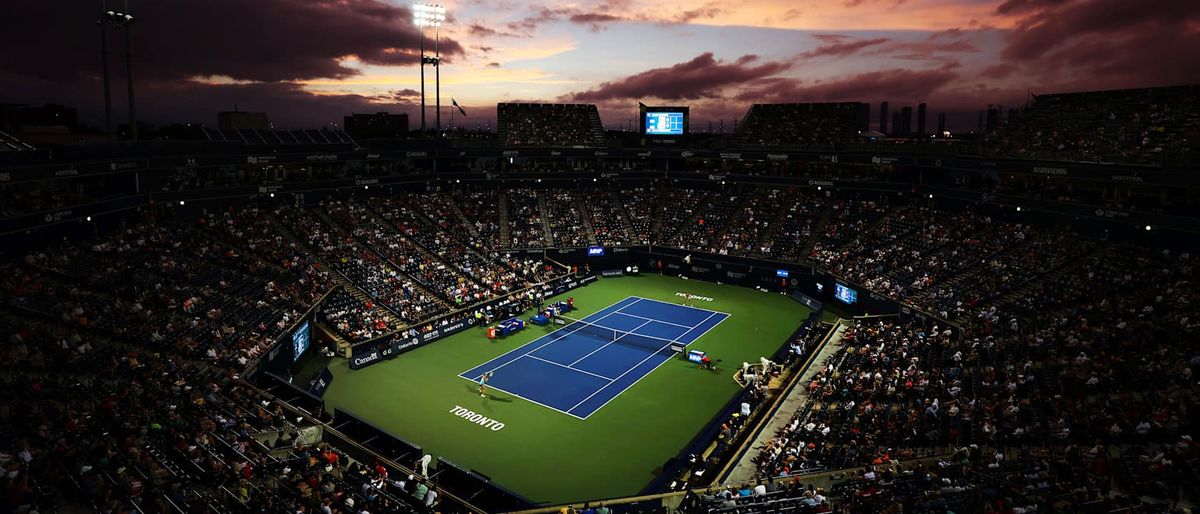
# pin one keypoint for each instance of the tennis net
(616, 335)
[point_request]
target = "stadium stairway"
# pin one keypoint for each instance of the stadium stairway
(768, 235)
(581, 204)
(417, 282)
(547, 233)
(626, 222)
(744, 471)
(656, 218)
(338, 278)
(502, 209)
(428, 252)
(462, 218)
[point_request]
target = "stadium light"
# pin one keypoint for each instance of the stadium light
(424, 16)
(1018, 208)
(123, 20)
(1147, 227)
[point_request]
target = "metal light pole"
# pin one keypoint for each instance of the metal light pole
(422, 28)
(437, 72)
(128, 24)
(426, 15)
(105, 18)
(123, 20)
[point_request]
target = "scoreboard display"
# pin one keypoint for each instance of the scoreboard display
(664, 121)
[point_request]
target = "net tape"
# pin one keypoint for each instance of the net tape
(615, 335)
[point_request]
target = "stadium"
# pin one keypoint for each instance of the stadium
(740, 292)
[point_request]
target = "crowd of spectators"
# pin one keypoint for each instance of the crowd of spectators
(1071, 358)
(704, 227)
(608, 219)
(566, 217)
(1055, 383)
(553, 125)
(481, 210)
(354, 319)
(526, 228)
(129, 396)
(362, 266)
(802, 124)
(1131, 126)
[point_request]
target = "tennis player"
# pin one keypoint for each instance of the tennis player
(483, 384)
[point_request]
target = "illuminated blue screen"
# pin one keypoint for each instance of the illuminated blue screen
(300, 341)
(664, 123)
(845, 294)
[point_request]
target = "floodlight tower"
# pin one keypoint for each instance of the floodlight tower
(123, 20)
(428, 15)
(103, 22)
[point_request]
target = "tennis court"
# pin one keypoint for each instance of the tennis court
(582, 366)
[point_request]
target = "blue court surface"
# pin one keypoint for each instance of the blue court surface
(580, 367)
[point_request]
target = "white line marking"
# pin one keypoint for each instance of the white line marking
(517, 349)
(524, 398)
(611, 380)
(556, 339)
(654, 320)
(677, 305)
(630, 386)
(566, 366)
(618, 338)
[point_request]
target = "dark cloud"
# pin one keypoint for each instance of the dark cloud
(162, 102)
(1050, 26)
(841, 46)
(593, 20)
(1014, 7)
(706, 11)
(1103, 44)
(999, 71)
(933, 47)
(479, 30)
(895, 83)
(264, 40)
(401, 94)
(701, 77)
(493, 65)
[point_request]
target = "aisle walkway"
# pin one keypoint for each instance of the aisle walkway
(744, 471)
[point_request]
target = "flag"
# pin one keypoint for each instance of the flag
(460, 109)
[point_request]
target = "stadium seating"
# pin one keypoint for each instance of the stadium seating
(1071, 357)
(802, 124)
(553, 125)
(1132, 126)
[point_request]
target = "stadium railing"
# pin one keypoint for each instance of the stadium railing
(437, 320)
(761, 423)
(351, 447)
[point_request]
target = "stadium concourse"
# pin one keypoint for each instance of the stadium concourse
(1034, 346)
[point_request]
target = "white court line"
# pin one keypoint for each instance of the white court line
(618, 338)
(630, 386)
(564, 366)
(519, 348)
(553, 340)
(535, 402)
(654, 320)
(675, 305)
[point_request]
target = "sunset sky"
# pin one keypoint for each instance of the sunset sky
(308, 62)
